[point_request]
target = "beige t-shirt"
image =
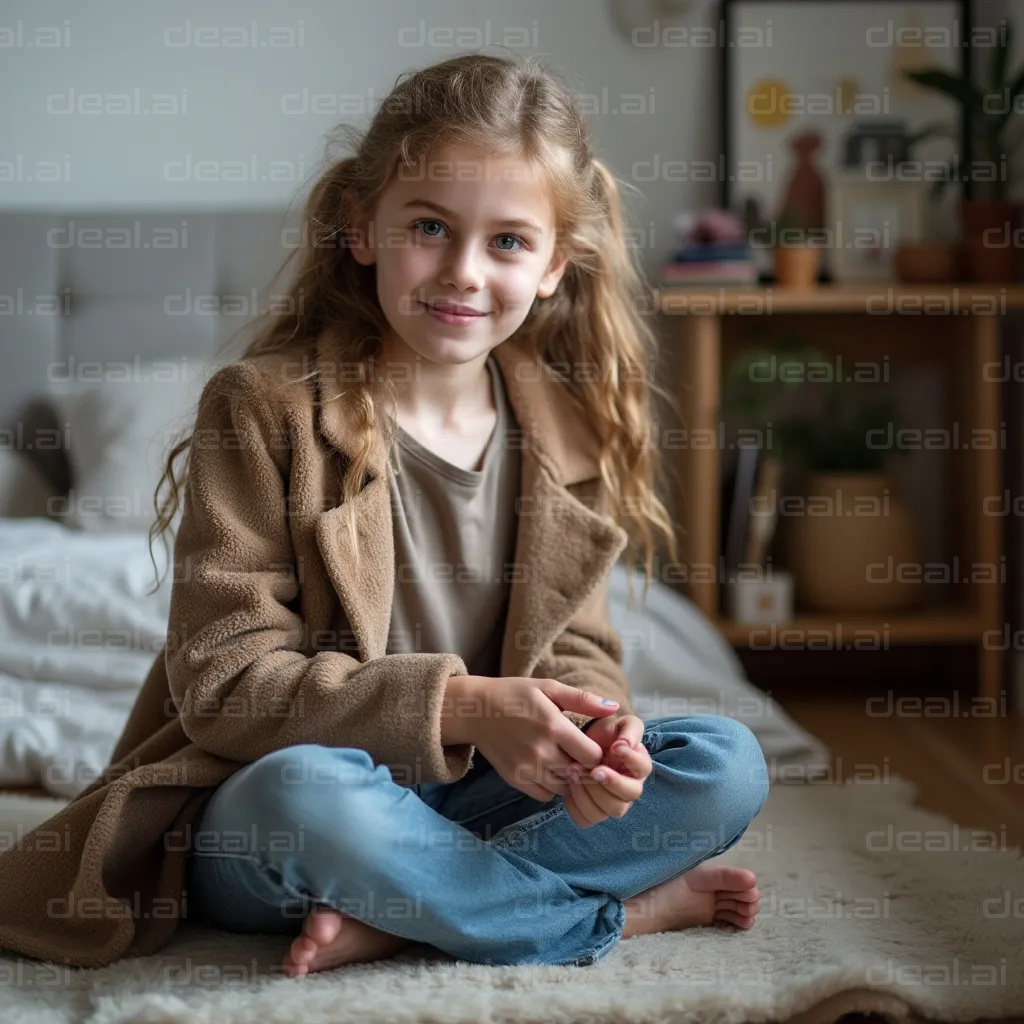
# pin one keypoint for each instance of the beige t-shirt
(455, 533)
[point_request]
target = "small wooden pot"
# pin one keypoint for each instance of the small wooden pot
(796, 266)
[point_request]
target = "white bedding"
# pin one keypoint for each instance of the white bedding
(78, 633)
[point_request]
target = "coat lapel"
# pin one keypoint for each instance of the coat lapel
(563, 547)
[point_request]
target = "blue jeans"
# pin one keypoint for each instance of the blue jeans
(475, 868)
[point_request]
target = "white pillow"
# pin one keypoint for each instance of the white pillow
(24, 491)
(119, 432)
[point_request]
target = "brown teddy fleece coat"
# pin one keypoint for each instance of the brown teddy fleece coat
(277, 637)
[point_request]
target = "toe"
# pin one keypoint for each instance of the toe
(739, 878)
(747, 895)
(322, 925)
(744, 909)
(734, 918)
(707, 878)
(292, 969)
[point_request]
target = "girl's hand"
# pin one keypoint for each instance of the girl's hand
(609, 789)
(517, 724)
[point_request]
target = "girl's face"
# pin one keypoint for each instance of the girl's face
(463, 244)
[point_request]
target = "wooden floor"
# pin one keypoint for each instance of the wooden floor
(971, 769)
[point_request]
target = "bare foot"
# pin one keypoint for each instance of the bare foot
(330, 938)
(709, 894)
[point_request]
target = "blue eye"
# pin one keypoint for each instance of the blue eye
(429, 221)
(423, 223)
(515, 238)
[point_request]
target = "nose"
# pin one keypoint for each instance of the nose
(463, 269)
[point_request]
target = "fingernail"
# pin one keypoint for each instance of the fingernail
(615, 702)
(600, 775)
(620, 745)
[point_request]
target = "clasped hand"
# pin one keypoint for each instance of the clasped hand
(609, 789)
(536, 750)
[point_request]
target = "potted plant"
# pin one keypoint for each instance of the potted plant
(989, 222)
(849, 516)
(796, 260)
(925, 262)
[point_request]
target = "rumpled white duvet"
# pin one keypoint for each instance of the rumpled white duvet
(79, 631)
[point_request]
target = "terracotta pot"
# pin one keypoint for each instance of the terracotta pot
(927, 261)
(996, 257)
(846, 549)
(796, 266)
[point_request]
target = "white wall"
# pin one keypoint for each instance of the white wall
(229, 99)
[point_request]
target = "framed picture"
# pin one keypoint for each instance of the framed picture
(816, 90)
(869, 220)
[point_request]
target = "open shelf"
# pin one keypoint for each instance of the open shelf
(937, 625)
(877, 299)
(947, 336)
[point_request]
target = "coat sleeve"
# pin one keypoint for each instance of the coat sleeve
(236, 668)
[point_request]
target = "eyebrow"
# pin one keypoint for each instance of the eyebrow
(445, 212)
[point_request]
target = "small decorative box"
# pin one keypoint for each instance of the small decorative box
(760, 601)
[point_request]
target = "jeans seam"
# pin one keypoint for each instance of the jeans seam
(528, 825)
(269, 872)
(490, 810)
(226, 855)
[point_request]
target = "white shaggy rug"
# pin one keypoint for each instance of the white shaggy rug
(869, 905)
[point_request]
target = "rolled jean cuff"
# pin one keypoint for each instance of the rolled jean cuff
(614, 913)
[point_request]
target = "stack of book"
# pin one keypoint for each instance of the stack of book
(712, 249)
(710, 263)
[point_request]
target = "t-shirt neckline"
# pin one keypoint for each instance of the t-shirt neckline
(468, 477)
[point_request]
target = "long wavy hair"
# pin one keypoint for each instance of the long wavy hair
(510, 105)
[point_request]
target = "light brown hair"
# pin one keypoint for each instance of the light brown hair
(508, 105)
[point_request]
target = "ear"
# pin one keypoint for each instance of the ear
(553, 275)
(358, 236)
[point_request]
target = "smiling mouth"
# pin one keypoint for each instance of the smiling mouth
(452, 310)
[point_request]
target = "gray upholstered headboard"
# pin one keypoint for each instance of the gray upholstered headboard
(120, 286)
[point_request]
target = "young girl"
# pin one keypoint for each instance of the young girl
(392, 707)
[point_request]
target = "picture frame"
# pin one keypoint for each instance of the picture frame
(790, 104)
(869, 220)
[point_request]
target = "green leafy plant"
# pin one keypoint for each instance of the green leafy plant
(759, 383)
(840, 445)
(991, 123)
